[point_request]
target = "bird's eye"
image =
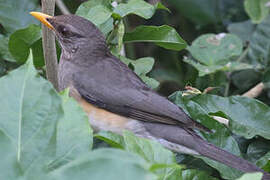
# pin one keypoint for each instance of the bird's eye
(64, 31)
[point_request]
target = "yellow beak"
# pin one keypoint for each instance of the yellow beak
(42, 18)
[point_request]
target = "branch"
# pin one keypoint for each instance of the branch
(48, 44)
(60, 4)
(255, 91)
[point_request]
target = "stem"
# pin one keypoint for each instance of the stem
(129, 47)
(60, 4)
(48, 44)
(255, 91)
(243, 55)
(121, 32)
(227, 88)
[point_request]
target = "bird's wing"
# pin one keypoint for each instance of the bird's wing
(111, 85)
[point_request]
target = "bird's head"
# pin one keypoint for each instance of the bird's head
(72, 32)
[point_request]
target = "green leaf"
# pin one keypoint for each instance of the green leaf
(259, 53)
(4, 52)
(267, 166)
(247, 117)
(138, 7)
(259, 152)
(263, 161)
(258, 38)
(107, 26)
(211, 49)
(159, 5)
(215, 52)
(153, 153)
(257, 10)
(99, 13)
(141, 67)
(29, 111)
(251, 176)
(243, 30)
(115, 38)
(8, 164)
(105, 164)
(110, 138)
(229, 67)
(246, 79)
(23, 40)
(150, 81)
(192, 174)
(15, 15)
(162, 160)
(74, 135)
(164, 36)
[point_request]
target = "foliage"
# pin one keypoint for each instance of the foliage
(238, 110)
(257, 10)
(164, 36)
(46, 134)
(215, 53)
(21, 41)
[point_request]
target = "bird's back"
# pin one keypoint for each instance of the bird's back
(118, 89)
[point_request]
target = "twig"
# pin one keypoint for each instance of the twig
(244, 54)
(49, 45)
(60, 4)
(255, 91)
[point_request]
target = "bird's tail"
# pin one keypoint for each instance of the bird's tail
(209, 150)
(179, 137)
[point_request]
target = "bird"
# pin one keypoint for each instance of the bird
(116, 99)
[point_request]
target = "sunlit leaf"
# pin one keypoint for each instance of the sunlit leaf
(164, 36)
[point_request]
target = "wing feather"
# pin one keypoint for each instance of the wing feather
(120, 90)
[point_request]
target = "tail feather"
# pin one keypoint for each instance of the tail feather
(177, 138)
(208, 150)
(201, 127)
